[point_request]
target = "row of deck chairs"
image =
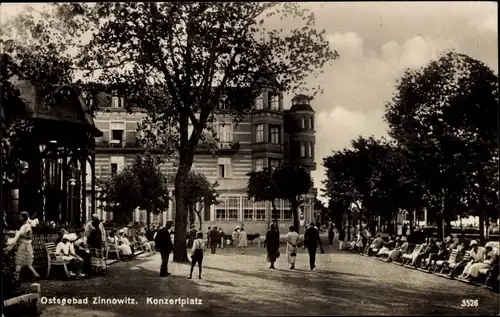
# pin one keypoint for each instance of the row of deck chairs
(449, 268)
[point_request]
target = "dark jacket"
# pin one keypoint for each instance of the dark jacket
(163, 241)
(215, 236)
(341, 234)
(311, 238)
(272, 242)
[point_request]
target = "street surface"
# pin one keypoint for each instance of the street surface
(343, 284)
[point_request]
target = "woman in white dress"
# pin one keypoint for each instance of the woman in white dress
(24, 253)
(292, 243)
(242, 240)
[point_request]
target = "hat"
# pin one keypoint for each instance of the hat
(312, 224)
(94, 216)
(473, 242)
(447, 239)
(121, 230)
(72, 237)
(237, 227)
(403, 239)
(65, 237)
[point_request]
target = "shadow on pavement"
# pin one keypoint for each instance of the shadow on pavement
(263, 292)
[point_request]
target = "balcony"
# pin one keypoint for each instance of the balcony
(117, 145)
(267, 147)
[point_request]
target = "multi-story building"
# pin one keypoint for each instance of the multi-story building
(267, 137)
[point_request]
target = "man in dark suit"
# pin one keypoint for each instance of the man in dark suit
(311, 242)
(164, 245)
(214, 239)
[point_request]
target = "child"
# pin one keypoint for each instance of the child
(197, 254)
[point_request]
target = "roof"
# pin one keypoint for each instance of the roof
(69, 106)
(301, 107)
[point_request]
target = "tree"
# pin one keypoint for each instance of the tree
(180, 59)
(152, 185)
(445, 115)
(288, 182)
(200, 194)
(121, 193)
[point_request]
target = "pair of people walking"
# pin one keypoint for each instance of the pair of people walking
(311, 242)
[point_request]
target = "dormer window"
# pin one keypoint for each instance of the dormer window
(259, 102)
(223, 103)
(274, 101)
(117, 102)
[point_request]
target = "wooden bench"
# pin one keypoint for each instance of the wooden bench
(54, 260)
(445, 264)
(32, 299)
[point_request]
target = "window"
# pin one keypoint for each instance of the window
(119, 161)
(114, 169)
(259, 103)
(311, 126)
(223, 103)
(287, 214)
(117, 131)
(303, 123)
(247, 214)
(224, 167)
(232, 215)
(260, 215)
(311, 150)
(117, 135)
(274, 103)
(302, 149)
(273, 163)
(225, 132)
(220, 215)
(274, 134)
(259, 164)
(117, 102)
(259, 133)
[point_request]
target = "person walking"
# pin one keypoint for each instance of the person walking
(272, 245)
(242, 240)
(311, 242)
(292, 243)
(236, 236)
(331, 234)
(214, 239)
(222, 237)
(24, 254)
(341, 238)
(197, 254)
(163, 243)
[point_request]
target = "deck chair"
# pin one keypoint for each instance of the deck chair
(110, 247)
(407, 258)
(54, 260)
(443, 265)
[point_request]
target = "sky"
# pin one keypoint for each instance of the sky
(377, 41)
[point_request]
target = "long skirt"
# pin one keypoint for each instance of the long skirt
(24, 254)
(474, 269)
(97, 258)
(271, 256)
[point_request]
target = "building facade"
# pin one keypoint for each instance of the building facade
(267, 137)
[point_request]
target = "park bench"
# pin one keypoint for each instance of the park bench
(54, 260)
(407, 258)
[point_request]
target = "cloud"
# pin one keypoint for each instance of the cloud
(348, 44)
(488, 24)
(360, 84)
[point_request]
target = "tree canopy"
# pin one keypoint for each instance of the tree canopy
(444, 133)
(289, 182)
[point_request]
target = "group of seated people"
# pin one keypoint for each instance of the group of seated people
(468, 262)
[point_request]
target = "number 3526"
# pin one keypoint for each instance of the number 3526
(470, 302)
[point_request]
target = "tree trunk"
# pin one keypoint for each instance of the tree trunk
(191, 215)
(198, 213)
(481, 227)
(349, 224)
(295, 212)
(181, 212)
(148, 219)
